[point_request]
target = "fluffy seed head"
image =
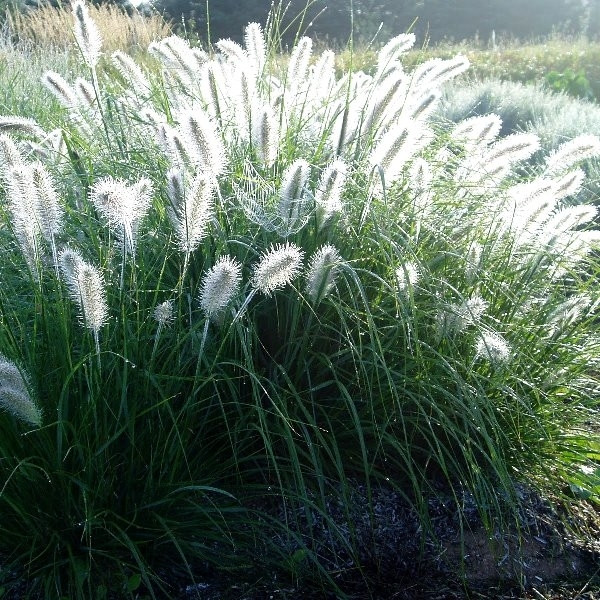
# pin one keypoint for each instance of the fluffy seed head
(393, 50)
(293, 186)
(86, 33)
(192, 207)
(130, 71)
(86, 288)
(477, 131)
(407, 277)
(9, 153)
(328, 196)
(574, 151)
(123, 206)
(256, 47)
(163, 313)
(492, 347)
(323, 268)
(202, 133)
(64, 93)
(21, 125)
(277, 267)
(220, 285)
(15, 395)
(265, 135)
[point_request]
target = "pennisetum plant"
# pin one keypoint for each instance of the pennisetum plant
(326, 288)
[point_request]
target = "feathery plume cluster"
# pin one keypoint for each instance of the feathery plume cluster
(492, 347)
(572, 152)
(293, 192)
(277, 267)
(191, 209)
(567, 313)
(265, 137)
(407, 277)
(392, 51)
(323, 268)
(86, 288)
(455, 318)
(477, 132)
(220, 285)
(86, 33)
(164, 314)
(123, 207)
(206, 148)
(15, 394)
(130, 71)
(328, 196)
(9, 155)
(484, 170)
(21, 125)
(36, 211)
(256, 47)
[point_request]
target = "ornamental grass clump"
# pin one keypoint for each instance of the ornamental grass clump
(238, 289)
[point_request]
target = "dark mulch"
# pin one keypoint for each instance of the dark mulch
(547, 554)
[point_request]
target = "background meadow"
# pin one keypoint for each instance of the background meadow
(237, 283)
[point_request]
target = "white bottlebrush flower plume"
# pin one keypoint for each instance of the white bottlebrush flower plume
(23, 202)
(407, 278)
(265, 135)
(568, 184)
(86, 93)
(256, 47)
(220, 285)
(566, 220)
(432, 74)
(492, 347)
(328, 196)
(513, 148)
(392, 51)
(123, 206)
(420, 178)
(455, 318)
(322, 79)
(572, 152)
(130, 71)
(163, 314)
(292, 195)
(214, 89)
(86, 288)
(176, 53)
(177, 146)
(235, 54)
(21, 125)
(477, 132)
(61, 89)
(192, 207)
(277, 267)
(297, 70)
(381, 103)
(567, 313)
(397, 146)
(86, 33)
(50, 212)
(203, 134)
(15, 394)
(486, 169)
(10, 156)
(323, 268)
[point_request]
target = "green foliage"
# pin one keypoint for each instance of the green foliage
(571, 82)
(255, 286)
